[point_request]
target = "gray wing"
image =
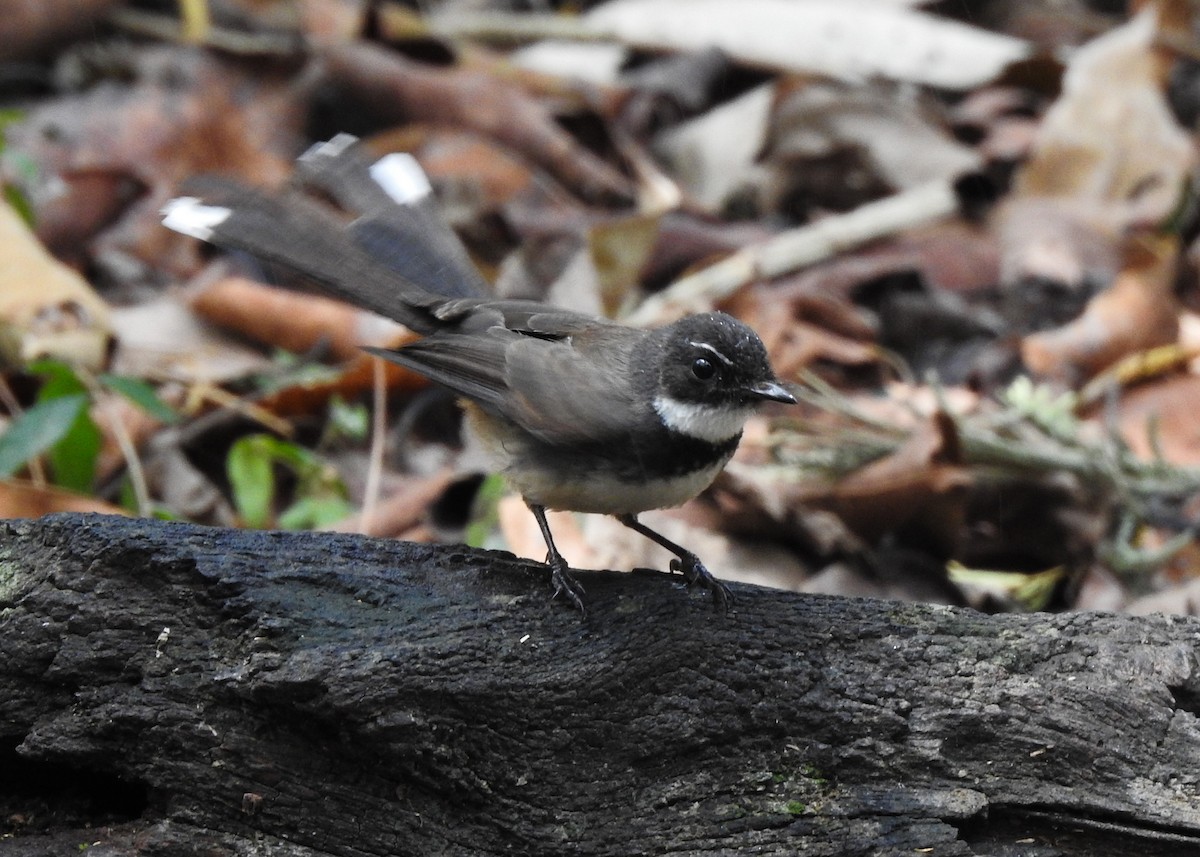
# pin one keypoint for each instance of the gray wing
(548, 387)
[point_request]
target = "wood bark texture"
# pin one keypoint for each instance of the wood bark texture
(167, 689)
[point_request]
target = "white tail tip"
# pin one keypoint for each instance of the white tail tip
(190, 216)
(401, 178)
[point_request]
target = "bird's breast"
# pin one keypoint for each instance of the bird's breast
(604, 478)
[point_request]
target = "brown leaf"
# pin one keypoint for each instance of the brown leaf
(402, 510)
(21, 499)
(1109, 156)
(186, 112)
(919, 487)
(46, 309)
(162, 338)
(400, 89)
(30, 27)
(1139, 311)
(1164, 410)
(293, 321)
(813, 121)
(354, 379)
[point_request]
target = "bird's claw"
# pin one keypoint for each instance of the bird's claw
(567, 586)
(694, 573)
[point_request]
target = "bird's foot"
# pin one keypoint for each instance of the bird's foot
(566, 585)
(694, 572)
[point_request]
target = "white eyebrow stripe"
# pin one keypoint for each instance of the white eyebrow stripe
(715, 352)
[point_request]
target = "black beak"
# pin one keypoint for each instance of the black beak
(773, 391)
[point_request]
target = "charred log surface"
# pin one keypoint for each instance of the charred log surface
(170, 689)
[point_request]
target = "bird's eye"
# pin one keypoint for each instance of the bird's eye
(703, 369)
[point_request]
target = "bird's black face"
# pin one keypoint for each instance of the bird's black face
(714, 360)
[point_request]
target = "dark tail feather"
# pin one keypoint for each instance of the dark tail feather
(397, 223)
(295, 233)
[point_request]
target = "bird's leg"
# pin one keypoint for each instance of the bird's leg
(688, 563)
(564, 584)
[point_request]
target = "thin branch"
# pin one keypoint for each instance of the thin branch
(796, 248)
(378, 433)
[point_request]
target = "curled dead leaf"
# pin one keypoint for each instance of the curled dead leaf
(921, 485)
(1139, 311)
(293, 321)
(21, 499)
(47, 310)
(1109, 157)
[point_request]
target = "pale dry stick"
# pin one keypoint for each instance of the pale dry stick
(203, 391)
(795, 249)
(197, 22)
(375, 457)
(506, 27)
(133, 462)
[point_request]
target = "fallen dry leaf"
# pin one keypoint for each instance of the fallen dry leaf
(402, 510)
(1139, 311)
(1160, 417)
(399, 88)
(186, 112)
(21, 499)
(294, 321)
(1109, 156)
(897, 141)
(47, 310)
(30, 27)
(845, 40)
(162, 338)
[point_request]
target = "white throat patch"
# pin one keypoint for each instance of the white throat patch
(705, 422)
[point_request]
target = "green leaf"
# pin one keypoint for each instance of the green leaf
(73, 458)
(347, 420)
(315, 511)
(20, 165)
(250, 468)
(141, 394)
(484, 517)
(58, 379)
(320, 495)
(38, 429)
(20, 204)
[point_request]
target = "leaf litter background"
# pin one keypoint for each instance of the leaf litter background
(965, 230)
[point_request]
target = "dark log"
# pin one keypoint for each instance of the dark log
(168, 689)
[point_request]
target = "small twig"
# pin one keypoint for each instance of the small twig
(820, 393)
(1120, 554)
(203, 392)
(169, 29)
(133, 462)
(507, 27)
(375, 457)
(197, 22)
(796, 248)
(1013, 444)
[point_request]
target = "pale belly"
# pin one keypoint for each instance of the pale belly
(601, 495)
(589, 490)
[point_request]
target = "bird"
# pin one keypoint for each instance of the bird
(578, 412)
